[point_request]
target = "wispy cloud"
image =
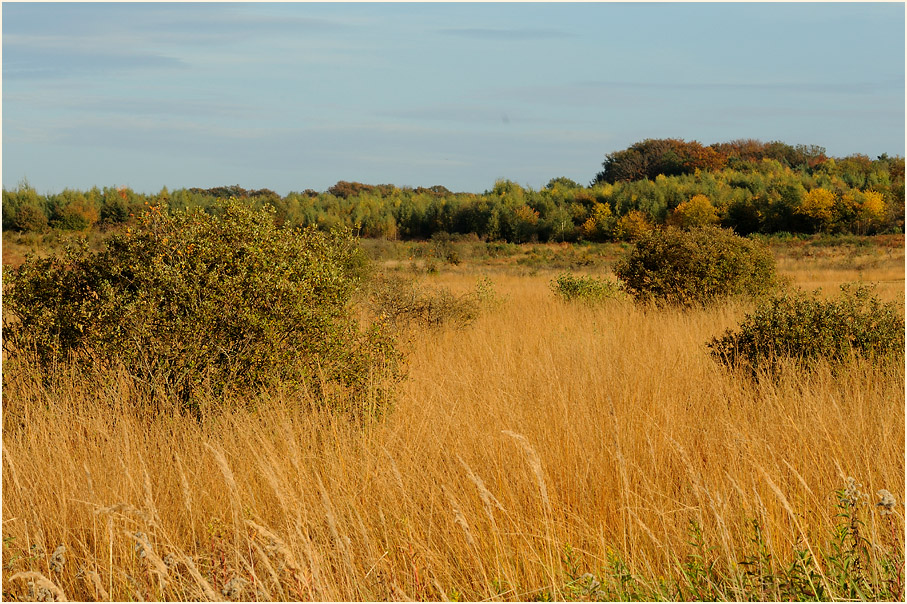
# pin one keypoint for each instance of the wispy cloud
(206, 108)
(797, 87)
(504, 34)
(26, 61)
(172, 22)
(462, 114)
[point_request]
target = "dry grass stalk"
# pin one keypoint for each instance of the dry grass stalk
(272, 574)
(278, 546)
(488, 499)
(147, 552)
(228, 476)
(459, 518)
(340, 540)
(184, 484)
(535, 463)
(149, 496)
(12, 468)
(325, 590)
(95, 578)
(125, 508)
(261, 592)
(89, 481)
(397, 476)
(207, 591)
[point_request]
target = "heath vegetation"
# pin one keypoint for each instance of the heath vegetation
(231, 401)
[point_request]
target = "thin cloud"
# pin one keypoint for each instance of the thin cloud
(181, 22)
(161, 107)
(798, 87)
(21, 63)
(465, 114)
(481, 33)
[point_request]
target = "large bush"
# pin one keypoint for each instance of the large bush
(696, 267)
(802, 328)
(191, 301)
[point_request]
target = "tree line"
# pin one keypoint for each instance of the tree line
(746, 185)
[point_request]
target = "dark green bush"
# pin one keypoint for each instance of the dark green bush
(192, 300)
(805, 329)
(584, 288)
(693, 268)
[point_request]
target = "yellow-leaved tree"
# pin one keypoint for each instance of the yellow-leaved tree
(599, 224)
(633, 225)
(870, 212)
(817, 206)
(695, 212)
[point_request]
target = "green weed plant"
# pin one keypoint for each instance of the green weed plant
(584, 288)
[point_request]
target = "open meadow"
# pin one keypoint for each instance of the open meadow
(547, 450)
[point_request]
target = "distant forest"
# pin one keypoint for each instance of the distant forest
(746, 185)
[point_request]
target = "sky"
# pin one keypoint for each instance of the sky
(291, 96)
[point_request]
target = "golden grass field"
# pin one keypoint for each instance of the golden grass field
(544, 442)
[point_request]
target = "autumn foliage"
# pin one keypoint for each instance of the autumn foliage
(745, 185)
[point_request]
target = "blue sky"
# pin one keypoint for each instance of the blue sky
(292, 96)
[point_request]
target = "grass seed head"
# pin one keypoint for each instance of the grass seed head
(886, 502)
(234, 588)
(58, 559)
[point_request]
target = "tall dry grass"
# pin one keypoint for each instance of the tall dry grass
(544, 442)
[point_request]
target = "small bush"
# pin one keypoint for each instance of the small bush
(441, 246)
(487, 295)
(693, 268)
(804, 329)
(194, 301)
(403, 303)
(584, 288)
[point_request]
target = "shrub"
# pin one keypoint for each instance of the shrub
(30, 218)
(224, 301)
(804, 329)
(691, 268)
(442, 247)
(402, 303)
(584, 288)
